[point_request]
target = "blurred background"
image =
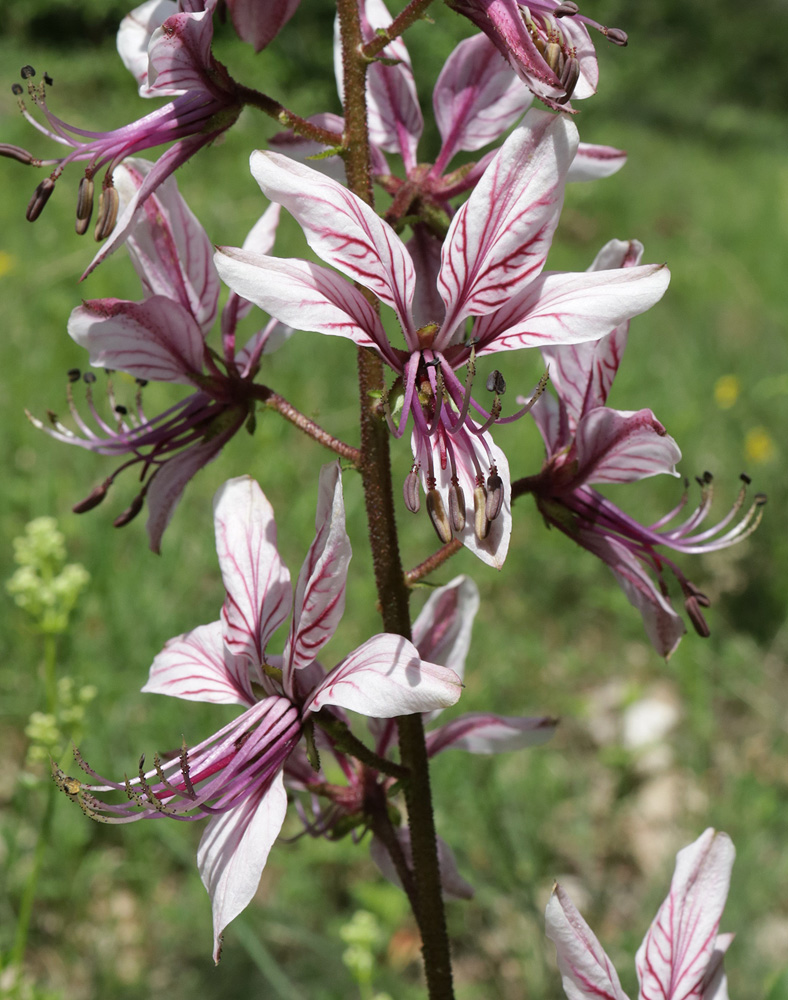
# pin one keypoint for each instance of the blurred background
(647, 755)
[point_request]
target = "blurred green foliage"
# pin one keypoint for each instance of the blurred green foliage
(696, 99)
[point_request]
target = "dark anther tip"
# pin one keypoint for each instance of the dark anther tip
(745, 479)
(48, 80)
(121, 410)
(141, 382)
(89, 378)
(707, 477)
(617, 36)
(73, 374)
(760, 499)
(17, 89)
(27, 71)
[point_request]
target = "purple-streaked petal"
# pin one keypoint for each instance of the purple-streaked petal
(261, 236)
(571, 308)
(233, 851)
(442, 631)
(297, 147)
(620, 446)
(550, 417)
(258, 22)
(586, 971)
(134, 35)
(663, 626)
(303, 295)
(257, 582)
(320, 592)
(425, 250)
(197, 666)
(484, 733)
(673, 960)
(156, 340)
(167, 486)
(583, 373)
(452, 883)
(341, 229)
(168, 246)
(498, 240)
(715, 982)
(179, 54)
(394, 114)
(592, 163)
(476, 98)
(385, 677)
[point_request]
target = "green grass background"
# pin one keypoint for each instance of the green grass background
(698, 101)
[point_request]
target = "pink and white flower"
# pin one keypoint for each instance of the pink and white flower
(546, 42)
(163, 338)
(234, 779)
(681, 957)
(490, 273)
(442, 635)
(177, 62)
(589, 443)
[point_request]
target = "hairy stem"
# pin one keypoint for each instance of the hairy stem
(433, 562)
(285, 117)
(412, 13)
(276, 402)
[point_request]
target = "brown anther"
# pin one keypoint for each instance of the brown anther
(84, 206)
(17, 89)
(456, 505)
(27, 72)
(566, 9)
(89, 378)
(616, 36)
(93, 499)
(73, 374)
(492, 507)
(17, 153)
(496, 383)
(437, 512)
(745, 479)
(699, 596)
(481, 524)
(48, 80)
(410, 491)
(41, 196)
(569, 77)
(130, 513)
(695, 616)
(760, 499)
(107, 212)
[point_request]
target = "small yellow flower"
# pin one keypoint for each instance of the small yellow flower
(759, 446)
(726, 391)
(7, 262)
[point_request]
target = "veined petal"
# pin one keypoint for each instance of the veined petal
(233, 852)
(586, 971)
(167, 486)
(303, 295)
(550, 417)
(663, 626)
(442, 631)
(258, 22)
(386, 677)
(498, 240)
(570, 308)
(179, 54)
(341, 229)
(320, 591)
(592, 162)
(261, 236)
(395, 121)
(168, 246)
(134, 35)
(476, 97)
(484, 733)
(157, 339)
(675, 954)
(715, 982)
(197, 666)
(255, 578)
(621, 446)
(582, 374)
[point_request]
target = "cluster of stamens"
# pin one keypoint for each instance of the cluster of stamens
(542, 22)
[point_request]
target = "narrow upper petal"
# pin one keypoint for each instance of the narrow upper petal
(498, 240)
(570, 308)
(233, 851)
(476, 98)
(673, 960)
(586, 971)
(320, 591)
(179, 54)
(257, 582)
(303, 295)
(168, 246)
(157, 339)
(134, 35)
(385, 677)
(592, 162)
(621, 446)
(341, 229)
(442, 631)
(197, 666)
(484, 733)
